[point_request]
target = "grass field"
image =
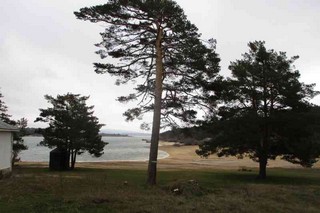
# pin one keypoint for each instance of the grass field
(106, 190)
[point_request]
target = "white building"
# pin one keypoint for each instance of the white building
(6, 139)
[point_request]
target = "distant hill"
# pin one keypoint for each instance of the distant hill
(33, 131)
(125, 132)
(114, 135)
(104, 132)
(187, 136)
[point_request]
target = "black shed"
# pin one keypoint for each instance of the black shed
(59, 160)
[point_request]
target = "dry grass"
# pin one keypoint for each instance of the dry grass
(119, 190)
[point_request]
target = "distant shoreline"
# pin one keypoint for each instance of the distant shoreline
(180, 157)
(102, 134)
(114, 135)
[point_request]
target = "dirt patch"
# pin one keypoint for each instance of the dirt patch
(187, 188)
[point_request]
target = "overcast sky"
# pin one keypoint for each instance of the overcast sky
(44, 49)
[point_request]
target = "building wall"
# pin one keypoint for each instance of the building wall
(5, 151)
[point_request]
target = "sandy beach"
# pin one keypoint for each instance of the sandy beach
(183, 157)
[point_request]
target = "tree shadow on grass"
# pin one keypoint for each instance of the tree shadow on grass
(274, 177)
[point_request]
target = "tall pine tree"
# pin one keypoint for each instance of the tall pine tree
(152, 43)
(265, 113)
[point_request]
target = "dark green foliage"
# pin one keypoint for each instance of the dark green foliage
(18, 143)
(266, 112)
(301, 139)
(72, 126)
(4, 116)
(188, 136)
(132, 28)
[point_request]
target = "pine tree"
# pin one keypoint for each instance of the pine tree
(265, 104)
(72, 126)
(4, 116)
(18, 142)
(152, 43)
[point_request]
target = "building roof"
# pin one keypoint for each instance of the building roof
(4, 127)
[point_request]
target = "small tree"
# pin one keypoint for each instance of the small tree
(264, 104)
(72, 126)
(153, 44)
(4, 116)
(18, 142)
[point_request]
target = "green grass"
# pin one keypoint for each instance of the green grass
(105, 190)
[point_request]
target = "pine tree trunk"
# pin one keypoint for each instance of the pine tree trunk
(262, 168)
(69, 153)
(14, 158)
(153, 156)
(263, 159)
(73, 159)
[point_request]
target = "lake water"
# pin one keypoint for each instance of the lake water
(118, 149)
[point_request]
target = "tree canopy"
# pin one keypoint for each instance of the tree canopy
(131, 33)
(4, 116)
(265, 111)
(72, 126)
(153, 44)
(18, 142)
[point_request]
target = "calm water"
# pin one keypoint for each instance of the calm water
(118, 149)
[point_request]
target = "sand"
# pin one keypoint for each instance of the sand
(183, 157)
